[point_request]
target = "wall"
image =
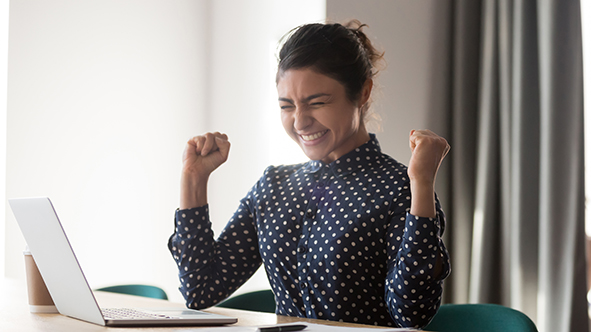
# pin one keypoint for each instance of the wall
(4, 5)
(102, 95)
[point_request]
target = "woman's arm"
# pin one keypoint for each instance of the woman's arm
(428, 150)
(418, 260)
(210, 270)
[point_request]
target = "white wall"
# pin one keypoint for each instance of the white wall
(102, 95)
(4, 4)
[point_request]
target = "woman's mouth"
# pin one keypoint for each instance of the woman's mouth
(314, 136)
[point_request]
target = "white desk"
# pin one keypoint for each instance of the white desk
(15, 315)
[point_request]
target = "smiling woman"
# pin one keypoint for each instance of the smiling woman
(352, 235)
(329, 69)
(318, 115)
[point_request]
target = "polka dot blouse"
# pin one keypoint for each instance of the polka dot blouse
(336, 240)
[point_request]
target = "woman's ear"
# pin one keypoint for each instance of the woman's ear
(365, 92)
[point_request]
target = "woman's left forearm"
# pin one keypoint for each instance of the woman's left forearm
(422, 199)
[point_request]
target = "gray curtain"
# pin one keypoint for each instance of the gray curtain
(514, 180)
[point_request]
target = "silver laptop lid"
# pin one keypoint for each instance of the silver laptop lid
(55, 258)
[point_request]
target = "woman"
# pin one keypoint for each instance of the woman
(351, 235)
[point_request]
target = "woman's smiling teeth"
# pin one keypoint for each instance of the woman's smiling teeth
(313, 136)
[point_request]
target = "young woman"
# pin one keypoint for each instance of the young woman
(352, 235)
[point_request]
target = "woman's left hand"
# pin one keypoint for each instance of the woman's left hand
(428, 150)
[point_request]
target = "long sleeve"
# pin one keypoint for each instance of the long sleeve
(210, 270)
(413, 290)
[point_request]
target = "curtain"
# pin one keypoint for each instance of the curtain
(513, 185)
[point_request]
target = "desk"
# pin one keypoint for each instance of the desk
(15, 315)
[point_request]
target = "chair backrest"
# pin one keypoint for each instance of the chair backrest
(481, 318)
(263, 301)
(139, 290)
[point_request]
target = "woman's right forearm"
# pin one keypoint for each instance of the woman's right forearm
(193, 192)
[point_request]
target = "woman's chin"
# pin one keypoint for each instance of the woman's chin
(313, 155)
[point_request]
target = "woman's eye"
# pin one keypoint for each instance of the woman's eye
(318, 103)
(286, 107)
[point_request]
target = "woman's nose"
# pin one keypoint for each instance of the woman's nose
(301, 119)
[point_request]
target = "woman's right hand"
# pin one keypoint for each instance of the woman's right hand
(203, 154)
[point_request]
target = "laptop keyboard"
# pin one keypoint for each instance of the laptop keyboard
(126, 313)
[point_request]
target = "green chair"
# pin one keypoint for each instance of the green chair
(263, 301)
(480, 318)
(139, 290)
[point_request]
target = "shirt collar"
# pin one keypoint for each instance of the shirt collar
(355, 159)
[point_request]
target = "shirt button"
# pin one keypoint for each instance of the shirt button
(301, 249)
(310, 214)
(303, 284)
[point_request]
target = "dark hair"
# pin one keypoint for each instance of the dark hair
(342, 52)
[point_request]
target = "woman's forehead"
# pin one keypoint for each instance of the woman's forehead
(306, 81)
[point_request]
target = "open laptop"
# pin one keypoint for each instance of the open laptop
(66, 282)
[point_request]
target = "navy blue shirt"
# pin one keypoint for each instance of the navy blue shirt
(337, 242)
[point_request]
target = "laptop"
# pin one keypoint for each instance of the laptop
(67, 284)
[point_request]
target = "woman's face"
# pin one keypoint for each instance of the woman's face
(317, 114)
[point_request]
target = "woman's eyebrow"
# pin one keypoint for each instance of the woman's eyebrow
(317, 95)
(314, 96)
(287, 100)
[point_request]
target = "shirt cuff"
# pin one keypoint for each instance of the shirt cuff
(422, 230)
(190, 219)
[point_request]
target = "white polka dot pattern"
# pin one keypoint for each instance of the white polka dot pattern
(336, 241)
